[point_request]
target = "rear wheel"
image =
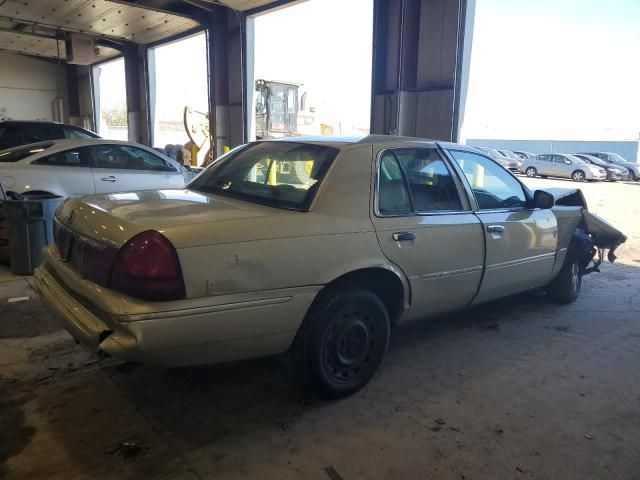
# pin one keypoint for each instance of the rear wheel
(341, 342)
(565, 288)
(531, 172)
(578, 176)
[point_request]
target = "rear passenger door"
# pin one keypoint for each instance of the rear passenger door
(544, 165)
(119, 168)
(521, 242)
(425, 225)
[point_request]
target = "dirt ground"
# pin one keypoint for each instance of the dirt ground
(520, 388)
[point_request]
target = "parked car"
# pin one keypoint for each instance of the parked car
(14, 133)
(614, 172)
(562, 165)
(315, 246)
(511, 155)
(506, 162)
(82, 167)
(524, 155)
(619, 160)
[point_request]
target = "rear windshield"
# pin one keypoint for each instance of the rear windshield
(277, 174)
(18, 153)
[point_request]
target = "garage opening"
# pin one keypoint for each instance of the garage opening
(110, 100)
(308, 78)
(178, 81)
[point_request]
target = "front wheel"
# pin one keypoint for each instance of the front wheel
(341, 342)
(578, 176)
(531, 172)
(565, 288)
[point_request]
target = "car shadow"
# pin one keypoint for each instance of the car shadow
(200, 405)
(228, 409)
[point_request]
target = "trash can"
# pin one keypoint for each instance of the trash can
(4, 237)
(30, 222)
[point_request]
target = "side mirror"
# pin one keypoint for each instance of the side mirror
(568, 162)
(544, 200)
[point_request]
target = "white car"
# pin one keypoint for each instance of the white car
(81, 167)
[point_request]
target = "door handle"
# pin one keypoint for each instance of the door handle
(110, 179)
(404, 236)
(495, 229)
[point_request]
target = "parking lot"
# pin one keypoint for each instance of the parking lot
(520, 388)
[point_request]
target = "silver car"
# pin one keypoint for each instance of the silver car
(562, 165)
(506, 162)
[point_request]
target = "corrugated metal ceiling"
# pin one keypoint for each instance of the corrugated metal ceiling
(102, 18)
(41, 46)
(244, 5)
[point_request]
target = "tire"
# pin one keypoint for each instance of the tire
(531, 172)
(341, 342)
(578, 176)
(565, 288)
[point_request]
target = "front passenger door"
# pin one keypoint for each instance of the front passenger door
(521, 242)
(119, 168)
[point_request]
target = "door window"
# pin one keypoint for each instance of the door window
(492, 186)
(126, 157)
(76, 133)
(393, 196)
(68, 158)
(415, 180)
(41, 133)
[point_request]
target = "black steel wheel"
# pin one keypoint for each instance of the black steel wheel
(341, 342)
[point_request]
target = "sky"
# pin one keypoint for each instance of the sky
(329, 53)
(540, 69)
(555, 69)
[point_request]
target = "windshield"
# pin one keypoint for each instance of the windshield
(276, 174)
(509, 154)
(575, 159)
(493, 153)
(592, 159)
(614, 157)
(18, 153)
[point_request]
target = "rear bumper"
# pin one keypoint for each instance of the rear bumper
(227, 329)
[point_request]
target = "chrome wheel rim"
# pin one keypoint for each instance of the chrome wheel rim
(531, 172)
(575, 277)
(578, 176)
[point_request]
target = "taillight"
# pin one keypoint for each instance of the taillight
(148, 267)
(97, 261)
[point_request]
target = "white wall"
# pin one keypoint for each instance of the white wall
(28, 87)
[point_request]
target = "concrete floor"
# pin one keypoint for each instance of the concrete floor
(521, 388)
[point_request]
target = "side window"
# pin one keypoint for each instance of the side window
(124, 157)
(393, 197)
(41, 133)
(492, 185)
(150, 161)
(558, 159)
(69, 158)
(10, 137)
(75, 133)
(432, 186)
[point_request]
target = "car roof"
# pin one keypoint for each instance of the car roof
(53, 146)
(10, 123)
(343, 141)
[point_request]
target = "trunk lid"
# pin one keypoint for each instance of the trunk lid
(186, 217)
